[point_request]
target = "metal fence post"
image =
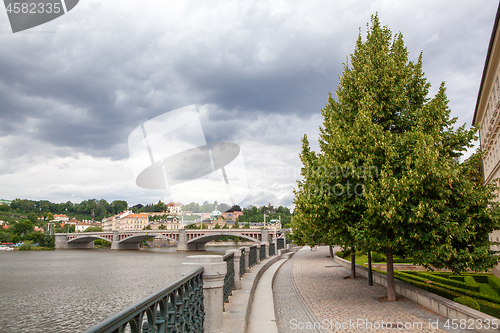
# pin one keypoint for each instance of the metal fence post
(214, 271)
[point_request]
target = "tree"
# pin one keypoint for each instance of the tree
(93, 229)
(223, 207)
(148, 227)
(387, 177)
(118, 206)
(236, 225)
(162, 227)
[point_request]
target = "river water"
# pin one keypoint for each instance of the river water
(69, 291)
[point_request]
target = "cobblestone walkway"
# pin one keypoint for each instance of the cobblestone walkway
(311, 295)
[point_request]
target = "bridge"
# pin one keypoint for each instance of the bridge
(186, 239)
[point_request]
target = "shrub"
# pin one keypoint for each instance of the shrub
(481, 278)
(489, 308)
(473, 286)
(346, 253)
(494, 282)
(377, 257)
(26, 246)
(339, 254)
(460, 278)
(467, 301)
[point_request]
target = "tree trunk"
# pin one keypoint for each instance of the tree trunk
(353, 263)
(370, 272)
(391, 286)
(331, 252)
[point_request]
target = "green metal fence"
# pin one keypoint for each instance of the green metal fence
(176, 308)
(242, 261)
(229, 278)
(262, 252)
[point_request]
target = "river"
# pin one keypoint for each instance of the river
(69, 291)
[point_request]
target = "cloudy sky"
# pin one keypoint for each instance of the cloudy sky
(259, 72)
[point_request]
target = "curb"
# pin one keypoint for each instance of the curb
(238, 308)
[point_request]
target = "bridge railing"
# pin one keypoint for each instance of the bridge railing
(280, 243)
(176, 308)
(272, 249)
(229, 278)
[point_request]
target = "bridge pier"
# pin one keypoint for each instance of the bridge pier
(125, 246)
(61, 243)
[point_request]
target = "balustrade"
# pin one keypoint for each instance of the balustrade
(272, 250)
(242, 261)
(252, 258)
(188, 305)
(229, 278)
(176, 308)
(262, 252)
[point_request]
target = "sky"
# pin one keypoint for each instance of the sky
(257, 73)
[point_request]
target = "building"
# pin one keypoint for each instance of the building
(82, 226)
(232, 215)
(5, 202)
(61, 217)
(174, 207)
(487, 114)
(487, 117)
(112, 223)
(133, 222)
(168, 223)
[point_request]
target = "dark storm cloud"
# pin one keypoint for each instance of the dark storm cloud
(247, 65)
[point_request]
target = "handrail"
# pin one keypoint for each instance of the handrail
(229, 278)
(182, 298)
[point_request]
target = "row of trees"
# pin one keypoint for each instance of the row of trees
(256, 214)
(100, 208)
(387, 177)
(206, 207)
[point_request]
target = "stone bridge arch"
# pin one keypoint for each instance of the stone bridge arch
(213, 236)
(88, 238)
(137, 238)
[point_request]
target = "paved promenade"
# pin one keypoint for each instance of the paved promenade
(311, 294)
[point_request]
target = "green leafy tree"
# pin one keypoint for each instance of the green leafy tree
(35, 237)
(387, 177)
(23, 228)
(162, 227)
(148, 227)
(93, 229)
